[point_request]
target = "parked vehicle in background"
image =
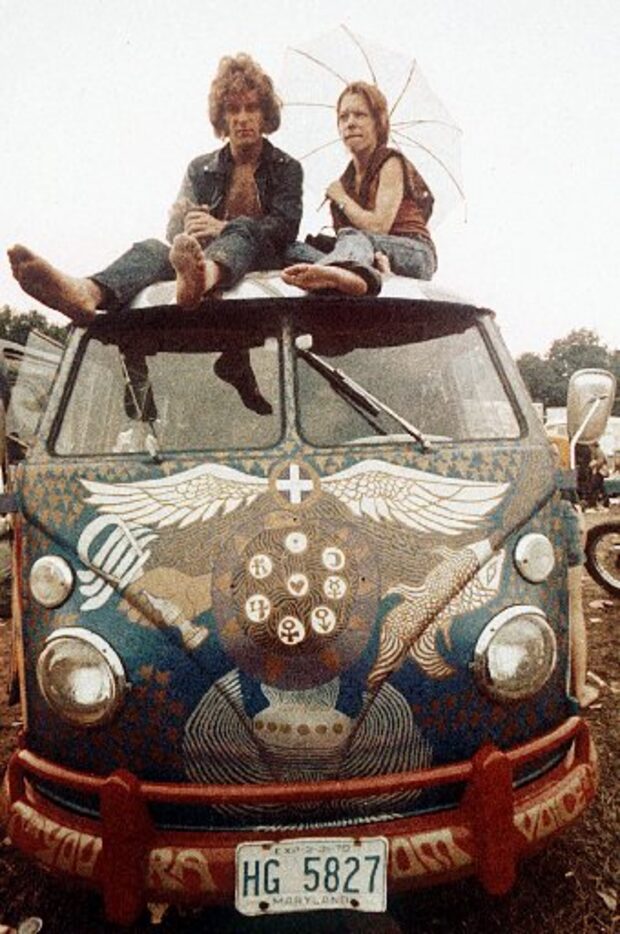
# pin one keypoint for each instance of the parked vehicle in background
(297, 658)
(602, 544)
(43, 358)
(603, 548)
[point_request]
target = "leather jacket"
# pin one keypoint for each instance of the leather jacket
(278, 180)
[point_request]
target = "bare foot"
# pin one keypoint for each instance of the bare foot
(76, 298)
(312, 276)
(196, 275)
(382, 263)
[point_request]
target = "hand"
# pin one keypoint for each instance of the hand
(200, 224)
(177, 214)
(336, 192)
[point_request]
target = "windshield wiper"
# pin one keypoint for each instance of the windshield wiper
(352, 391)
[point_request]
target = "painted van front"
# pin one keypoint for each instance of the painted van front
(291, 607)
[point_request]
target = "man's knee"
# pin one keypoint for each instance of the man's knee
(152, 247)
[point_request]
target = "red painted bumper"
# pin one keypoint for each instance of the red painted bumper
(131, 861)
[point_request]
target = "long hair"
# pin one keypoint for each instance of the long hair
(377, 105)
(237, 75)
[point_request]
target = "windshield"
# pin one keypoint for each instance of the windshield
(434, 373)
(418, 373)
(173, 390)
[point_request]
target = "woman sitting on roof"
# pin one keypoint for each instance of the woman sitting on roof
(380, 204)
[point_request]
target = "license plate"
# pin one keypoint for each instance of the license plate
(311, 875)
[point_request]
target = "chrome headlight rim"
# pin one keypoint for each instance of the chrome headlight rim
(528, 558)
(490, 631)
(116, 669)
(65, 580)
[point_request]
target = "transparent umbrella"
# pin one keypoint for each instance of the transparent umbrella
(420, 126)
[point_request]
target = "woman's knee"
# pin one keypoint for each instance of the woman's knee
(346, 233)
(299, 252)
(416, 263)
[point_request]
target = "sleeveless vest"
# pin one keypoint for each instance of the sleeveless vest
(414, 210)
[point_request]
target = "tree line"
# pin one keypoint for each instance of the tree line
(547, 376)
(16, 326)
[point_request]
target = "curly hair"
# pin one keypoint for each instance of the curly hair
(377, 105)
(237, 75)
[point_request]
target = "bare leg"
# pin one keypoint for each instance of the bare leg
(196, 275)
(585, 693)
(312, 276)
(76, 298)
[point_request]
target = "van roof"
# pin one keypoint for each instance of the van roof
(257, 285)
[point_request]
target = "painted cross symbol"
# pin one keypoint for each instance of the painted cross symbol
(295, 486)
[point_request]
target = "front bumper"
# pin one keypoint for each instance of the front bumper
(131, 860)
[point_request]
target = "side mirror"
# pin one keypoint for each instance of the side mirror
(589, 403)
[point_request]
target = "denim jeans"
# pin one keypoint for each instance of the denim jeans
(355, 249)
(240, 248)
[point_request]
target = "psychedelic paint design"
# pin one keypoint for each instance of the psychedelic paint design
(292, 593)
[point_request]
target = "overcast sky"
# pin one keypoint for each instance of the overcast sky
(102, 105)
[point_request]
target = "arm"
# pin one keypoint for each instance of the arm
(184, 203)
(281, 223)
(186, 216)
(390, 193)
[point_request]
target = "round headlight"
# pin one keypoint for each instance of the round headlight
(81, 677)
(534, 557)
(515, 654)
(51, 580)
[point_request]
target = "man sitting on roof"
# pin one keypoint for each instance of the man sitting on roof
(237, 210)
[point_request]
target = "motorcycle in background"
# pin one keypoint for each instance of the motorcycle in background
(603, 548)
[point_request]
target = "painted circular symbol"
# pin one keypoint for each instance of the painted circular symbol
(296, 542)
(298, 585)
(333, 558)
(334, 587)
(295, 598)
(260, 566)
(257, 608)
(291, 630)
(323, 620)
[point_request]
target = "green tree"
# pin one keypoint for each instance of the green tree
(535, 373)
(580, 348)
(16, 326)
(547, 377)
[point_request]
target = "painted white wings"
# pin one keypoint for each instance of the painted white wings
(478, 591)
(422, 501)
(190, 496)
